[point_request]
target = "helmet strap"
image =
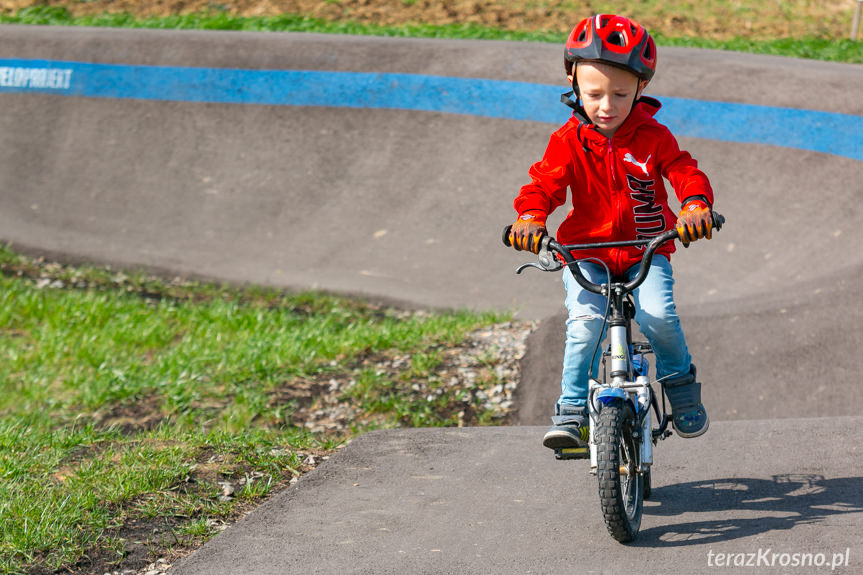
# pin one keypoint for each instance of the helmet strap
(573, 100)
(575, 104)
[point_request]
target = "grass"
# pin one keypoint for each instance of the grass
(127, 403)
(843, 50)
(814, 43)
(60, 16)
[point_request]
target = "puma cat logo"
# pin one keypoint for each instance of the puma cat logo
(643, 165)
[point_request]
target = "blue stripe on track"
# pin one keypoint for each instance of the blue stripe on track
(812, 130)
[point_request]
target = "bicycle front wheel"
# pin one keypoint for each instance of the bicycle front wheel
(621, 486)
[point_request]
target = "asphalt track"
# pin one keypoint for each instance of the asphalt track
(405, 203)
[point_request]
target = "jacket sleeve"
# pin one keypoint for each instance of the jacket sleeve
(681, 169)
(549, 179)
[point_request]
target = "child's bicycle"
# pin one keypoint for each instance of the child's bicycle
(621, 435)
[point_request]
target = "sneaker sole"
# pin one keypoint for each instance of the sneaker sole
(560, 441)
(698, 433)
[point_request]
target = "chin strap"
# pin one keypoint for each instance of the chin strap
(567, 100)
(578, 112)
(574, 103)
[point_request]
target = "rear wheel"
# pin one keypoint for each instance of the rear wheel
(621, 487)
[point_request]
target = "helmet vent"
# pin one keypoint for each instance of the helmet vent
(648, 52)
(617, 39)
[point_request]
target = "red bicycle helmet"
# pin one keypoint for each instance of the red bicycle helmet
(614, 40)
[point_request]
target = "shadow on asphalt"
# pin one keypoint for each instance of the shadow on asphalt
(780, 503)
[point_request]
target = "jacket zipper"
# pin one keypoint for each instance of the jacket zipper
(621, 203)
(611, 166)
(615, 190)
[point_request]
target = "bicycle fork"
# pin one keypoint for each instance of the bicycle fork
(621, 387)
(638, 394)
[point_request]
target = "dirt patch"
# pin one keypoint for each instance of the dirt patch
(152, 544)
(718, 19)
(131, 417)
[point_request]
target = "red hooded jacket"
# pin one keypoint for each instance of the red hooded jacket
(617, 186)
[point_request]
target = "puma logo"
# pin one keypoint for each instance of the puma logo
(643, 165)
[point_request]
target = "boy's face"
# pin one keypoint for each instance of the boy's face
(607, 93)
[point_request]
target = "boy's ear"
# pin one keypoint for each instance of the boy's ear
(570, 76)
(642, 84)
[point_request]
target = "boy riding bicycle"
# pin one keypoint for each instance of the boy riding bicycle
(613, 156)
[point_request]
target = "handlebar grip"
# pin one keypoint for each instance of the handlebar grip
(505, 238)
(718, 220)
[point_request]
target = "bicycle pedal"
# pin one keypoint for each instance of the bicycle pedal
(572, 453)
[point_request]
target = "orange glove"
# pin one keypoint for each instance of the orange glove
(695, 221)
(527, 231)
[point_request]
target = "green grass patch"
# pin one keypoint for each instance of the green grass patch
(130, 404)
(843, 50)
(60, 16)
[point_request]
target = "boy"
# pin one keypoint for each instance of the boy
(614, 155)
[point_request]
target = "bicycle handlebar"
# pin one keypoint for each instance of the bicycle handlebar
(549, 244)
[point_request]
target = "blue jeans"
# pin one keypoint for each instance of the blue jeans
(656, 316)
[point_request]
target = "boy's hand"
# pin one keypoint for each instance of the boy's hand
(527, 231)
(694, 222)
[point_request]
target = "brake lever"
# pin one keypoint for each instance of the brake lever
(523, 267)
(547, 261)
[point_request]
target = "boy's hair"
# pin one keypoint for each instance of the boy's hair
(614, 40)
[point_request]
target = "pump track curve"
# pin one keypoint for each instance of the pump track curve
(197, 153)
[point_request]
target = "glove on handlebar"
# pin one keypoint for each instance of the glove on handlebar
(695, 221)
(527, 231)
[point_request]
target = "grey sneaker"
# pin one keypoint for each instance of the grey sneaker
(570, 429)
(688, 414)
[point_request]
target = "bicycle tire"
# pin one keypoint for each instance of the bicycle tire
(647, 484)
(621, 495)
